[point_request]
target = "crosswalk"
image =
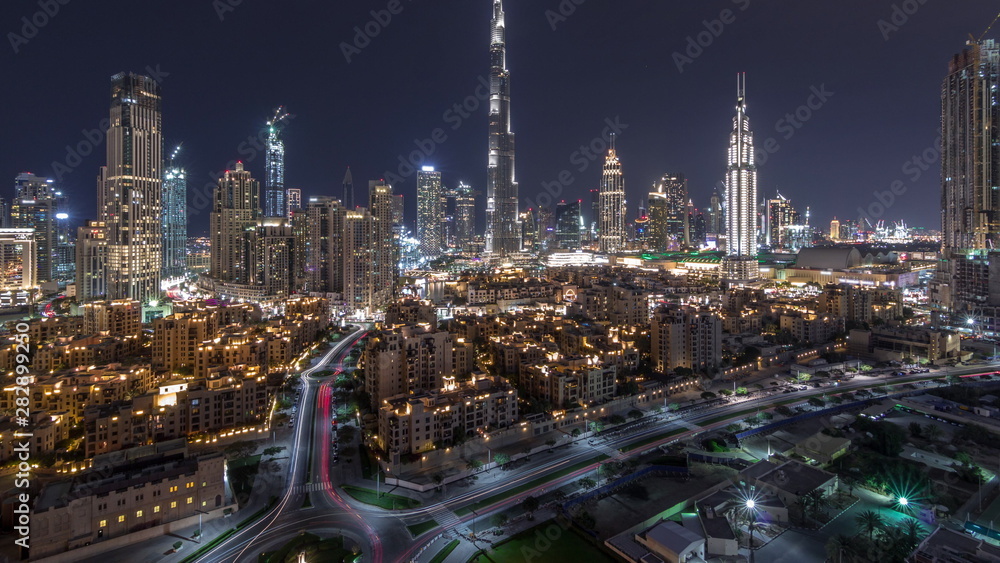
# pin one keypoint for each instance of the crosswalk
(311, 487)
(444, 516)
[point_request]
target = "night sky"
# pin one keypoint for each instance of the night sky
(221, 80)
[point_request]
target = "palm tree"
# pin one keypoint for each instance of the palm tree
(869, 521)
(933, 432)
(814, 501)
(912, 529)
(839, 545)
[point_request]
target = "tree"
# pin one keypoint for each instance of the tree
(816, 402)
(803, 377)
(617, 419)
(784, 410)
(550, 442)
(530, 505)
(869, 522)
(673, 407)
(240, 449)
(683, 371)
(501, 458)
(953, 379)
(707, 395)
(838, 546)
(814, 502)
(500, 520)
(751, 421)
(865, 368)
(473, 464)
(635, 414)
(438, 479)
(742, 391)
(916, 430)
(932, 432)
(587, 483)
(273, 451)
(725, 392)
(912, 529)
(576, 432)
(596, 426)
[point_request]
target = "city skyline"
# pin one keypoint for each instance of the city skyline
(215, 138)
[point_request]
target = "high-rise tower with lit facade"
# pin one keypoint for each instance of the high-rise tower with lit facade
(465, 216)
(668, 213)
(233, 223)
(384, 242)
(611, 230)
(429, 213)
(174, 218)
(741, 196)
(502, 231)
(36, 205)
(130, 189)
(275, 202)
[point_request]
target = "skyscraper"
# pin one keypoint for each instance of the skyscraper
(835, 229)
(502, 233)
(465, 216)
(275, 204)
(970, 156)
(348, 199)
(233, 222)
(36, 205)
(657, 239)
(429, 213)
(384, 243)
(91, 261)
(569, 225)
(668, 212)
(294, 196)
(741, 196)
(174, 218)
(778, 216)
(716, 217)
(131, 189)
(319, 245)
(274, 256)
(611, 232)
(358, 274)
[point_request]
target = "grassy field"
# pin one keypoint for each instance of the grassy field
(444, 553)
(548, 542)
(387, 501)
(530, 485)
(422, 527)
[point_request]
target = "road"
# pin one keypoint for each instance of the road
(382, 534)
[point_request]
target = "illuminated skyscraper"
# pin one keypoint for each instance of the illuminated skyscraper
(233, 222)
(835, 229)
(429, 213)
(502, 233)
(465, 216)
(668, 213)
(294, 196)
(569, 225)
(174, 218)
(275, 204)
(36, 205)
(384, 242)
(778, 216)
(130, 189)
(91, 261)
(741, 196)
(319, 245)
(611, 232)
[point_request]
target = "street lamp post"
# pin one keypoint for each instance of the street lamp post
(753, 521)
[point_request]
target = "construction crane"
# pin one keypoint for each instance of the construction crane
(280, 116)
(173, 155)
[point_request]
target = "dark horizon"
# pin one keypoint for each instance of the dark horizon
(223, 77)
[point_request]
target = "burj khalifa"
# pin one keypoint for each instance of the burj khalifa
(503, 236)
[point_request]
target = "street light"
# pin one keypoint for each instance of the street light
(753, 521)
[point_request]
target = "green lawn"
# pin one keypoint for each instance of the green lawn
(537, 544)
(387, 501)
(530, 485)
(444, 553)
(422, 527)
(329, 550)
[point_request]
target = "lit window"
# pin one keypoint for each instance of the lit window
(173, 489)
(190, 500)
(121, 518)
(156, 509)
(103, 524)
(138, 514)
(173, 504)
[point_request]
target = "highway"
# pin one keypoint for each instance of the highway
(382, 534)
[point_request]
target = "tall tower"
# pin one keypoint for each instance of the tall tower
(502, 232)
(233, 222)
(294, 200)
(174, 218)
(348, 199)
(835, 229)
(131, 189)
(429, 213)
(669, 198)
(465, 216)
(741, 195)
(36, 205)
(611, 231)
(970, 155)
(569, 225)
(275, 204)
(384, 243)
